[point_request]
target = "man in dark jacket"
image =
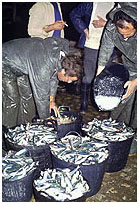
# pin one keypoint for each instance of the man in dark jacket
(121, 32)
(89, 19)
(39, 61)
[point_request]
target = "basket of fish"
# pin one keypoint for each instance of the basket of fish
(73, 150)
(17, 176)
(118, 136)
(66, 122)
(35, 138)
(60, 185)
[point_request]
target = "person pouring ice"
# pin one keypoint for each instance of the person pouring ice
(121, 32)
(30, 72)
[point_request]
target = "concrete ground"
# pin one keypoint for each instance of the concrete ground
(116, 187)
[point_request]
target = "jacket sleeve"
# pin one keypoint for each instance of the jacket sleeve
(77, 15)
(42, 92)
(106, 48)
(41, 88)
(53, 84)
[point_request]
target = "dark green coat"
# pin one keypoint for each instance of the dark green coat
(112, 38)
(39, 59)
(127, 111)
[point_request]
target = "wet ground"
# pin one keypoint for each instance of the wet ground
(116, 187)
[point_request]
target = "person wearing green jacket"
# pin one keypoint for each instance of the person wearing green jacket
(121, 32)
(41, 61)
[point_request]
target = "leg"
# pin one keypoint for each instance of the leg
(27, 109)
(89, 63)
(10, 101)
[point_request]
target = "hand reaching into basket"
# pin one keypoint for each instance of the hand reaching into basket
(53, 106)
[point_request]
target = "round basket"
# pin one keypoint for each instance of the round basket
(108, 86)
(40, 154)
(63, 129)
(118, 155)
(93, 174)
(19, 190)
(40, 198)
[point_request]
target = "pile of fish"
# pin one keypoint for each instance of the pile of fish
(31, 134)
(107, 130)
(64, 119)
(61, 119)
(17, 165)
(79, 150)
(61, 184)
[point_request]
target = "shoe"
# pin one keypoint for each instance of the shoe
(85, 90)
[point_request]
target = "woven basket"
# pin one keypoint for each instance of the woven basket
(19, 190)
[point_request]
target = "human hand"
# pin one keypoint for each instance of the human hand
(99, 69)
(59, 25)
(86, 31)
(99, 23)
(53, 106)
(130, 85)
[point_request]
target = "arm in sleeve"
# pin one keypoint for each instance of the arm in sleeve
(40, 83)
(53, 84)
(106, 48)
(36, 21)
(77, 15)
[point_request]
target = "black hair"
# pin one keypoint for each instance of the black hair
(120, 15)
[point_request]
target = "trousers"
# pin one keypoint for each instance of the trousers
(18, 106)
(89, 64)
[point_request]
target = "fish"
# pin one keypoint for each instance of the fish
(64, 184)
(31, 134)
(108, 130)
(80, 154)
(16, 165)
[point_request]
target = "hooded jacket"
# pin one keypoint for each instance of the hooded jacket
(40, 60)
(112, 38)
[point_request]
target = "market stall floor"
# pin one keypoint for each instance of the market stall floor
(120, 186)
